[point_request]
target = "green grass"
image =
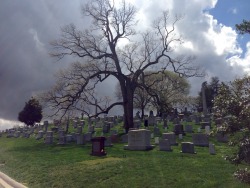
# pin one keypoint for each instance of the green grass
(35, 164)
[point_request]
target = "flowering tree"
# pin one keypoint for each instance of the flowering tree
(233, 104)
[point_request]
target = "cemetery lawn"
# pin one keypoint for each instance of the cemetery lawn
(35, 164)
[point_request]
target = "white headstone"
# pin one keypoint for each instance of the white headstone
(156, 140)
(180, 136)
(207, 129)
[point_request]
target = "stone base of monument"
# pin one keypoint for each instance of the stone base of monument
(139, 140)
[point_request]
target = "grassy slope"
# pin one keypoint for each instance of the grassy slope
(38, 165)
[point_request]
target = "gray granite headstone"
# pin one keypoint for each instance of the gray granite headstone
(139, 140)
(171, 137)
(187, 147)
(164, 145)
(211, 149)
(200, 139)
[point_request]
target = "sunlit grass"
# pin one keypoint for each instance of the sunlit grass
(39, 165)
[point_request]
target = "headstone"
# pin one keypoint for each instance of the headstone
(108, 142)
(200, 139)
(178, 129)
(137, 124)
(156, 131)
(204, 124)
(180, 136)
(157, 140)
(40, 135)
(17, 135)
(199, 130)
(171, 137)
(26, 135)
(91, 129)
(197, 120)
(139, 140)
(164, 145)
(188, 128)
(62, 140)
(207, 130)
(49, 137)
(99, 124)
(62, 137)
(10, 133)
(187, 147)
(211, 149)
(124, 138)
(151, 120)
(46, 124)
(69, 138)
(79, 139)
(106, 128)
(98, 148)
(79, 129)
(222, 137)
(113, 132)
(88, 137)
(152, 135)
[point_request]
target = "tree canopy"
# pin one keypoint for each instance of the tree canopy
(243, 27)
(31, 113)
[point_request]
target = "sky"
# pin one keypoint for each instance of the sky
(28, 26)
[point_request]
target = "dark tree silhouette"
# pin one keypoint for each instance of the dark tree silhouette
(244, 27)
(31, 113)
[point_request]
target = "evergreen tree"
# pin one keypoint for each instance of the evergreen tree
(31, 113)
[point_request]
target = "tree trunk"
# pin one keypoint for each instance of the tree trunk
(128, 95)
(142, 113)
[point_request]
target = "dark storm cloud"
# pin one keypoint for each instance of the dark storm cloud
(26, 29)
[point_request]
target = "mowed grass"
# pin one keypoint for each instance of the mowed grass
(37, 165)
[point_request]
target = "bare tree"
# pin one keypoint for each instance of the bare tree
(102, 57)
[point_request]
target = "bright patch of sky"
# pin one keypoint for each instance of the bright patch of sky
(231, 12)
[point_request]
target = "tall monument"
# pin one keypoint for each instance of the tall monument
(204, 102)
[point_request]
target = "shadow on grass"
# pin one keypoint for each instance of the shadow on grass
(40, 147)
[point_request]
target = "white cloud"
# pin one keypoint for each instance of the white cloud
(223, 38)
(242, 61)
(6, 124)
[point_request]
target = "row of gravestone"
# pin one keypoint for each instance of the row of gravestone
(140, 140)
(165, 143)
